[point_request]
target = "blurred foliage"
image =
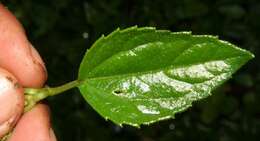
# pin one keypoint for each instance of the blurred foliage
(62, 30)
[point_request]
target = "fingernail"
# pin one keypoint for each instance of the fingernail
(36, 56)
(52, 135)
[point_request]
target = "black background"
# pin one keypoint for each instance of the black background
(62, 30)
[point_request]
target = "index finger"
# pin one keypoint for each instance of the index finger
(17, 54)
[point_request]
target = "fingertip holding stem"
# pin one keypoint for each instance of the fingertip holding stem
(25, 65)
(11, 101)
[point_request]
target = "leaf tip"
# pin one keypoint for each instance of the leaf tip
(251, 55)
(246, 52)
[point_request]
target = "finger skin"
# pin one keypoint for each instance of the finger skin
(17, 54)
(34, 126)
(11, 101)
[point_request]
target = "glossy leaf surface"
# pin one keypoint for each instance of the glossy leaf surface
(143, 75)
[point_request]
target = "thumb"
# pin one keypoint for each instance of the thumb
(11, 101)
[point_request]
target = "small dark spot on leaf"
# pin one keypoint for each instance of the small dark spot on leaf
(118, 91)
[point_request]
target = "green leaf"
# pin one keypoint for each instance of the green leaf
(142, 75)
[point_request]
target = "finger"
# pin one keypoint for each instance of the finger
(19, 57)
(11, 101)
(17, 54)
(34, 126)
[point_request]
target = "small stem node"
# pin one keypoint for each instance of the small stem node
(33, 95)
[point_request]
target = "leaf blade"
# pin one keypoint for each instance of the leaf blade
(155, 74)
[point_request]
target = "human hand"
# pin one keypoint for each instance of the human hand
(20, 66)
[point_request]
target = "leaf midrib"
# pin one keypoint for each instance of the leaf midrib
(152, 71)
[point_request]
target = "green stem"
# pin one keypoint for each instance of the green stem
(34, 95)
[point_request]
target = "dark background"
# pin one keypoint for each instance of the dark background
(62, 30)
